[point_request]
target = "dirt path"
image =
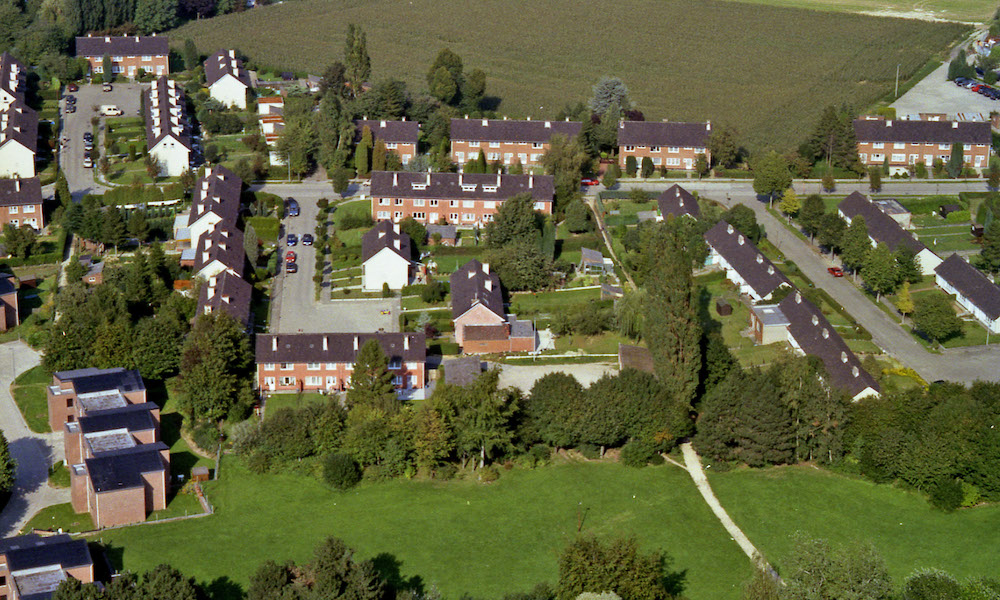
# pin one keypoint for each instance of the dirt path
(592, 203)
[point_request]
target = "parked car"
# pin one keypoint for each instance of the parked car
(835, 271)
(961, 81)
(72, 87)
(88, 144)
(106, 87)
(292, 268)
(976, 87)
(69, 99)
(292, 239)
(110, 110)
(293, 208)
(88, 136)
(290, 256)
(87, 161)
(70, 108)
(589, 181)
(307, 239)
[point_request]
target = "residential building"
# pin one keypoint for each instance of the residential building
(168, 132)
(464, 200)
(400, 137)
(95, 271)
(593, 262)
(18, 140)
(32, 566)
(270, 114)
(325, 361)
(883, 229)
(21, 202)
(678, 202)
(13, 78)
(229, 293)
(462, 371)
(671, 146)
(896, 211)
(129, 54)
(445, 235)
(905, 143)
(752, 272)
(76, 393)
(218, 251)
(123, 483)
(226, 79)
(215, 200)
(972, 290)
(508, 141)
(9, 317)
(386, 258)
(481, 324)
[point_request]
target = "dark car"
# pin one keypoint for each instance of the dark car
(88, 144)
(88, 136)
(292, 268)
(960, 81)
(72, 87)
(292, 239)
(70, 99)
(307, 239)
(71, 108)
(293, 208)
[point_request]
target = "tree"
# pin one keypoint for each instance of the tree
(589, 564)
(341, 179)
(630, 166)
(19, 241)
(443, 86)
(156, 347)
(904, 303)
(829, 183)
(191, 56)
(935, 317)
(450, 62)
(834, 140)
(378, 156)
(341, 471)
(297, 143)
(770, 175)
(361, 154)
(611, 175)
(578, 217)
(960, 67)
(112, 227)
(817, 571)
(358, 66)
(880, 271)
(831, 231)
(433, 441)
(990, 252)
(107, 69)
(855, 245)
(371, 381)
(790, 203)
(875, 179)
(521, 264)
(609, 92)
(215, 366)
(515, 220)
(701, 165)
(199, 8)
(137, 226)
(743, 218)
(909, 265)
(484, 416)
(724, 146)
(270, 581)
(567, 161)
(152, 16)
(993, 179)
(956, 161)
(811, 214)
(762, 586)
(8, 467)
(551, 409)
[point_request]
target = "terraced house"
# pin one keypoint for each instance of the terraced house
(752, 272)
(129, 54)
(18, 122)
(508, 141)
(400, 137)
(972, 290)
(462, 199)
(904, 143)
(32, 567)
(21, 202)
(671, 146)
(481, 323)
(883, 229)
(168, 132)
(226, 79)
(12, 80)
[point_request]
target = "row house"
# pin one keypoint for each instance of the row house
(13, 77)
(324, 361)
(9, 317)
(270, 115)
(32, 566)
(168, 132)
(752, 272)
(507, 141)
(386, 258)
(803, 326)
(215, 200)
(227, 80)
(129, 54)
(884, 229)
(218, 251)
(228, 293)
(678, 202)
(669, 145)
(905, 143)
(18, 140)
(462, 199)
(400, 137)
(972, 290)
(76, 393)
(481, 324)
(21, 202)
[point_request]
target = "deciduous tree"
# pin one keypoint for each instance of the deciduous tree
(371, 381)
(790, 203)
(817, 571)
(8, 467)
(567, 161)
(855, 245)
(723, 143)
(770, 175)
(358, 66)
(904, 303)
(589, 564)
(215, 366)
(811, 213)
(990, 252)
(880, 271)
(152, 16)
(935, 317)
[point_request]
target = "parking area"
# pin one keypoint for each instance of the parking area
(935, 94)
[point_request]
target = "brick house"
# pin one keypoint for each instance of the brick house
(400, 137)
(168, 131)
(743, 263)
(507, 141)
(464, 200)
(481, 324)
(95, 271)
(972, 290)
(678, 202)
(324, 361)
(9, 317)
(128, 54)
(270, 114)
(18, 140)
(32, 567)
(386, 258)
(227, 79)
(21, 202)
(74, 394)
(883, 229)
(907, 143)
(673, 146)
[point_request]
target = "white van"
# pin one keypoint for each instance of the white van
(110, 110)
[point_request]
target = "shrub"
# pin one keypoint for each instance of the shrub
(631, 166)
(258, 462)
(356, 220)
(959, 216)
(489, 474)
(341, 471)
(205, 435)
(589, 451)
(637, 453)
(386, 291)
(433, 292)
(970, 495)
(946, 494)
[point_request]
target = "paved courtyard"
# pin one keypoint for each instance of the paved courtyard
(304, 315)
(935, 94)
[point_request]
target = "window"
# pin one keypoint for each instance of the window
(418, 203)
(943, 146)
(968, 147)
(468, 217)
(673, 162)
(116, 69)
(433, 218)
(3, 580)
(331, 366)
(878, 157)
(397, 215)
(392, 146)
(395, 363)
(494, 144)
(863, 156)
(286, 381)
(69, 403)
(383, 201)
(454, 203)
(419, 216)
(117, 58)
(268, 366)
(878, 145)
(490, 188)
(508, 157)
(13, 210)
(453, 217)
(434, 203)
(287, 366)
(536, 157)
(383, 214)
(654, 148)
(629, 148)
(460, 157)
(98, 69)
(699, 150)
(312, 366)
(468, 203)
(898, 146)
(537, 145)
(399, 202)
(29, 208)
(898, 158)
(397, 380)
(657, 161)
(490, 204)
(316, 381)
(15, 222)
(147, 58)
(673, 149)
(493, 156)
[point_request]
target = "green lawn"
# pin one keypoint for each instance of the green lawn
(449, 260)
(605, 343)
(279, 401)
(182, 458)
(527, 303)
(946, 244)
(266, 227)
(462, 537)
(29, 395)
(771, 505)
(59, 516)
(59, 475)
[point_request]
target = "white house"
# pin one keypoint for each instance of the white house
(226, 78)
(12, 80)
(270, 112)
(216, 198)
(385, 256)
(884, 229)
(18, 140)
(219, 251)
(972, 290)
(745, 266)
(168, 133)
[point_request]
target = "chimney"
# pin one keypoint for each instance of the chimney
(326, 344)
(274, 344)
(17, 185)
(708, 126)
(531, 181)
(395, 243)
(137, 39)
(395, 179)
(485, 123)
(677, 192)
(529, 117)
(498, 179)
(459, 179)
(382, 124)
(355, 343)
(567, 119)
(107, 40)
(404, 118)
(489, 285)
(466, 116)
(428, 182)
(505, 117)
(406, 342)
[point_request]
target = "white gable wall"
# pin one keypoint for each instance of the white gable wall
(229, 91)
(173, 156)
(16, 160)
(385, 267)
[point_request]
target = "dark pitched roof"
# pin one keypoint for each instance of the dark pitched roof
(385, 235)
(448, 232)
(19, 123)
(231, 294)
(125, 45)
(12, 75)
(90, 380)
(224, 244)
(591, 257)
(7, 285)
(165, 115)
(487, 333)
(222, 63)
(19, 192)
(133, 417)
(123, 469)
(663, 133)
(510, 130)
(390, 132)
(936, 132)
(219, 192)
(33, 551)
(881, 227)
(339, 347)
(462, 371)
(816, 337)
(744, 257)
(400, 184)
(972, 284)
(677, 201)
(474, 283)
(635, 357)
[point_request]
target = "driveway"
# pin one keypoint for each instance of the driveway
(34, 452)
(935, 94)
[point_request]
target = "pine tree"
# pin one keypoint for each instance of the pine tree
(990, 252)
(8, 467)
(378, 156)
(356, 60)
(956, 162)
(875, 179)
(361, 153)
(371, 381)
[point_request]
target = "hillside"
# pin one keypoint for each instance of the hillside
(768, 71)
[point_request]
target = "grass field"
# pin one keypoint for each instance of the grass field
(458, 536)
(29, 395)
(674, 55)
(770, 506)
(958, 10)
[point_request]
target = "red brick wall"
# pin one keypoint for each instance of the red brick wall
(59, 413)
(6, 216)
(299, 371)
(84, 574)
(133, 61)
(10, 310)
(477, 315)
(157, 485)
(917, 153)
(79, 491)
(119, 507)
(522, 150)
(664, 154)
(480, 211)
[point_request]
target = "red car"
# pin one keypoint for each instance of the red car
(589, 181)
(290, 256)
(72, 87)
(835, 271)
(976, 87)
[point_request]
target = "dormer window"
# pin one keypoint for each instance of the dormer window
(418, 186)
(760, 259)
(490, 188)
(826, 334)
(843, 357)
(770, 270)
(740, 240)
(468, 187)
(815, 320)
